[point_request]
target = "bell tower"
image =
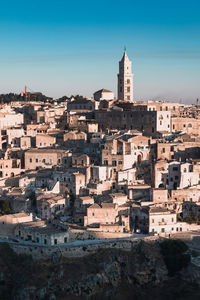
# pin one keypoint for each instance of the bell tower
(125, 79)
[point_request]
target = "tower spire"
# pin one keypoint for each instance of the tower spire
(125, 79)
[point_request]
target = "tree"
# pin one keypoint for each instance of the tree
(71, 198)
(174, 255)
(5, 205)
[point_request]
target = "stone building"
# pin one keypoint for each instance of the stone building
(52, 205)
(81, 105)
(125, 79)
(46, 158)
(122, 152)
(163, 221)
(9, 118)
(45, 140)
(103, 94)
(107, 216)
(174, 174)
(39, 232)
(186, 124)
(9, 222)
(148, 122)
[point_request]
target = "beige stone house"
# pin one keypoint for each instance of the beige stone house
(164, 221)
(39, 232)
(45, 140)
(45, 158)
(9, 222)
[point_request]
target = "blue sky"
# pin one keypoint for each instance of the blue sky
(64, 47)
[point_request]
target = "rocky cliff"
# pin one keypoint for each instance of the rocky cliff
(109, 274)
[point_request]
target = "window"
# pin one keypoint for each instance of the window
(55, 242)
(163, 220)
(36, 160)
(172, 219)
(114, 163)
(177, 229)
(120, 162)
(30, 160)
(128, 81)
(43, 160)
(175, 168)
(65, 239)
(105, 162)
(152, 221)
(128, 89)
(176, 177)
(45, 241)
(163, 150)
(162, 229)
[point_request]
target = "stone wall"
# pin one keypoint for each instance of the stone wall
(76, 249)
(94, 234)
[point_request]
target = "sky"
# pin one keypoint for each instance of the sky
(73, 47)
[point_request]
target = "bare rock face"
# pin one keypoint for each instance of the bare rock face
(97, 275)
(108, 274)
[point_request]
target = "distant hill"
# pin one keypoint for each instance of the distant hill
(11, 97)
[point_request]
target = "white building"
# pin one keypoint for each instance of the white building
(125, 79)
(103, 94)
(9, 118)
(163, 221)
